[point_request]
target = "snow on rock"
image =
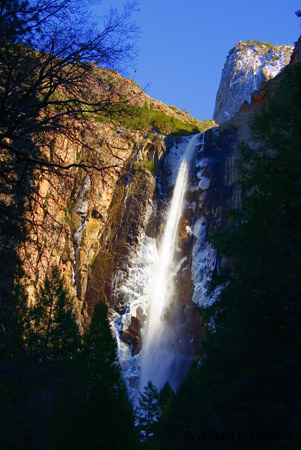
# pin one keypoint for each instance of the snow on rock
(203, 264)
(133, 286)
(248, 64)
(202, 164)
(174, 159)
(204, 256)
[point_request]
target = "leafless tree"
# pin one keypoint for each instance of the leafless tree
(47, 76)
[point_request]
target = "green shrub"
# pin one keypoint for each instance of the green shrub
(146, 118)
(149, 165)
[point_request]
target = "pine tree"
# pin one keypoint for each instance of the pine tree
(35, 360)
(148, 411)
(54, 333)
(94, 410)
(13, 364)
(101, 350)
(165, 396)
(108, 401)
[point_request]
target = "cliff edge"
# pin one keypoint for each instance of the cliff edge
(247, 66)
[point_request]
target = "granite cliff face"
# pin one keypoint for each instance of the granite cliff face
(102, 228)
(247, 66)
(88, 224)
(92, 213)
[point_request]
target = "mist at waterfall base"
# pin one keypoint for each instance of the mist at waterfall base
(161, 360)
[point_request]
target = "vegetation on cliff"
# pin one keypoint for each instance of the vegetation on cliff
(147, 119)
(244, 390)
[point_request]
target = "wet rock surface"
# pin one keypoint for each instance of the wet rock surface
(132, 335)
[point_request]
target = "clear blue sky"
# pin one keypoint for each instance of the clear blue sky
(184, 43)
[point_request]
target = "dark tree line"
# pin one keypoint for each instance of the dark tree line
(59, 389)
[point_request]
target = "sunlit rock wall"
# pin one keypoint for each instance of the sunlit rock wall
(91, 212)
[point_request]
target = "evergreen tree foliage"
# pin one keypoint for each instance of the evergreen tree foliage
(108, 401)
(248, 378)
(148, 411)
(59, 389)
(165, 401)
(153, 405)
(164, 398)
(46, 340)
(93, 409)
(54, 332)
(13, 357)
(101, 360)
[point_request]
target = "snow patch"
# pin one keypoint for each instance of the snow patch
(203, 264)
(133, 286)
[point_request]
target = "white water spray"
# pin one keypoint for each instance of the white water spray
(160, 361)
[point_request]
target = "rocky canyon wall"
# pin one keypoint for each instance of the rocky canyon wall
(102, 227)
(92, 215)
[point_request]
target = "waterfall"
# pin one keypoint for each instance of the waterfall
(160, 360)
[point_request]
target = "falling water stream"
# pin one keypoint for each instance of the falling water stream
(160, 359)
